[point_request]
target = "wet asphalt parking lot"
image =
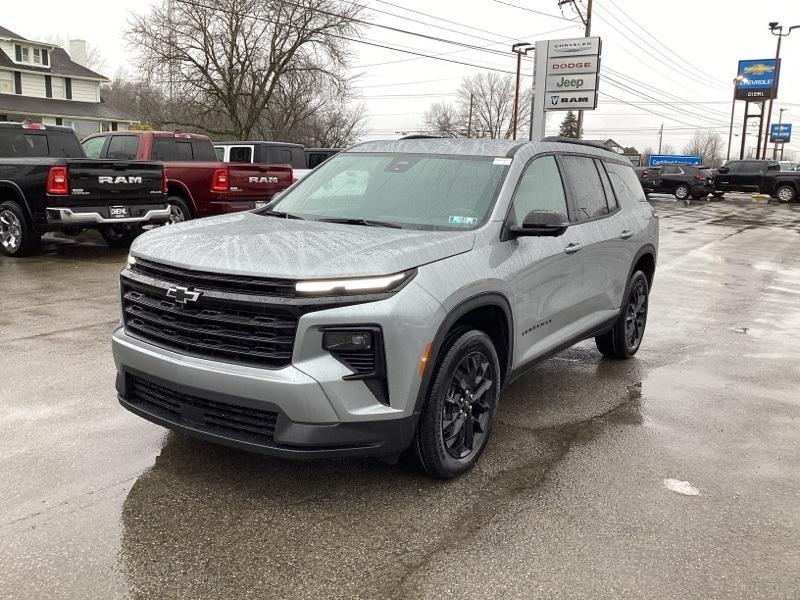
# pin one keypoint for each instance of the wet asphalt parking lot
(568, 501)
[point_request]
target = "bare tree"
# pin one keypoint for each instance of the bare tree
(225, 60)
(442, 118)
(94, 56)
(492, 104)
(707, 145)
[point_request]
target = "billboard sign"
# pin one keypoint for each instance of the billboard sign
(759, 79)
(656, 160)
(780, 133)
(571, 83)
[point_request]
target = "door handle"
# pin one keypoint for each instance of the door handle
(573, 248)
(626, 234)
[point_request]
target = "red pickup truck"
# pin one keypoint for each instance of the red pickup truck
(198, 184)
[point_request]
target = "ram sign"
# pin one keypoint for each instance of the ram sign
(759, 80)
(780, 133)
(656, 160)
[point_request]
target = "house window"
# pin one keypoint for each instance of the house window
(48, 86)
(17, 82)
(37, 56)
(45, 57)
(68, 88)
(25, 54)
(17, 52)
(59, 121)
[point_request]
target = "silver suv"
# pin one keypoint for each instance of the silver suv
(381, 303)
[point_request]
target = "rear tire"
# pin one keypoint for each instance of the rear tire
(179, 210)
(460, 407)
(17, 236)
(682, 192)
(785, 193)
(120, 236)
(718, 194)
(624, 338)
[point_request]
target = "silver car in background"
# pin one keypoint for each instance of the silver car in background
(381, 304)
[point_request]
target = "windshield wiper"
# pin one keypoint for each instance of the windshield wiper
(281, 214)
(356, 221)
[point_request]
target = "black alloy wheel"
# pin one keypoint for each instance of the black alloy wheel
(460, 405)
(636, 314)
(467, 406)
(625, 337)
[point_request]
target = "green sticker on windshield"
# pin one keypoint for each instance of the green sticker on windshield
(459, 220)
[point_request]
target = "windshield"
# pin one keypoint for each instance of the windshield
(419, 191)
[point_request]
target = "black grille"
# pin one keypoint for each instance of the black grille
(360, 361)
(240, 331)
(284, 288)
(248, 424)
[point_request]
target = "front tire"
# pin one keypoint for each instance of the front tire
(17, 236)
(625, 337)
(785, 193)
(682, 192)
(460, 408)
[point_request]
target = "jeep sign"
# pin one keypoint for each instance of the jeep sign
(571, 83)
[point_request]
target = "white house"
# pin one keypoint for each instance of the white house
(42, 82)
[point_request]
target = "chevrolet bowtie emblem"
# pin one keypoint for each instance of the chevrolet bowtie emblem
(183, 295)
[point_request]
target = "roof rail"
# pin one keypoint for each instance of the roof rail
(579, 142)
(420, 136)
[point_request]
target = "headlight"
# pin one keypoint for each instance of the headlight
(350, 286)
(131, 261)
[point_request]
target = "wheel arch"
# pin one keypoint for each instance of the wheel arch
(489, 310)
(178, 188)
(11, 191)
(645, 260)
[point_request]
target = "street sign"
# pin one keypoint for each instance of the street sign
(571, 101)
(673, 159)
(636, 159)
(571, 83)
(780, 133)
(758, 77)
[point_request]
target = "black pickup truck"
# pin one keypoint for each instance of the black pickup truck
(48, 184)
(761, 176)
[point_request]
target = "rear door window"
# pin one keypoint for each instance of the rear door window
(240, 154)
(164, 149)
(183, 151)
(123, 147)
(298, 160)
(611, 199)
(201, 149)
(587, 198)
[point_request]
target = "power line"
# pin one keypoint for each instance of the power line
(531, 10)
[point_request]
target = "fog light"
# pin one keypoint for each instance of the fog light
(343, 341)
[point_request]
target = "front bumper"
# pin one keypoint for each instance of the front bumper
(102, 215)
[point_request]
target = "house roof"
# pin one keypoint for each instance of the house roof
(61, 108)
(10, 34)
(60, 62)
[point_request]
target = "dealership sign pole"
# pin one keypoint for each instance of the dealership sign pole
(565, 77)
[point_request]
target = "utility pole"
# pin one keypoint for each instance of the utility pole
(776, 30)
(519, 49)
(775, 144)
(660, 137)
(733, 110)
(587, 24)
(469, 120)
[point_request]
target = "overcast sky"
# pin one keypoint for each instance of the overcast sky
(707, 38)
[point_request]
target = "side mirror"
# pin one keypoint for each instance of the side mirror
(723, 169)
(541, 223)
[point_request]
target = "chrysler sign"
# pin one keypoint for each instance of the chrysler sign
(574, 47)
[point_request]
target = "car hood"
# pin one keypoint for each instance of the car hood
(251, 244)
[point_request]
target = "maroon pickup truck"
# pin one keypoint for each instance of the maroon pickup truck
(198, 184)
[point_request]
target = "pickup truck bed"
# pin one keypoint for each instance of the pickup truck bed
(46, 184)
